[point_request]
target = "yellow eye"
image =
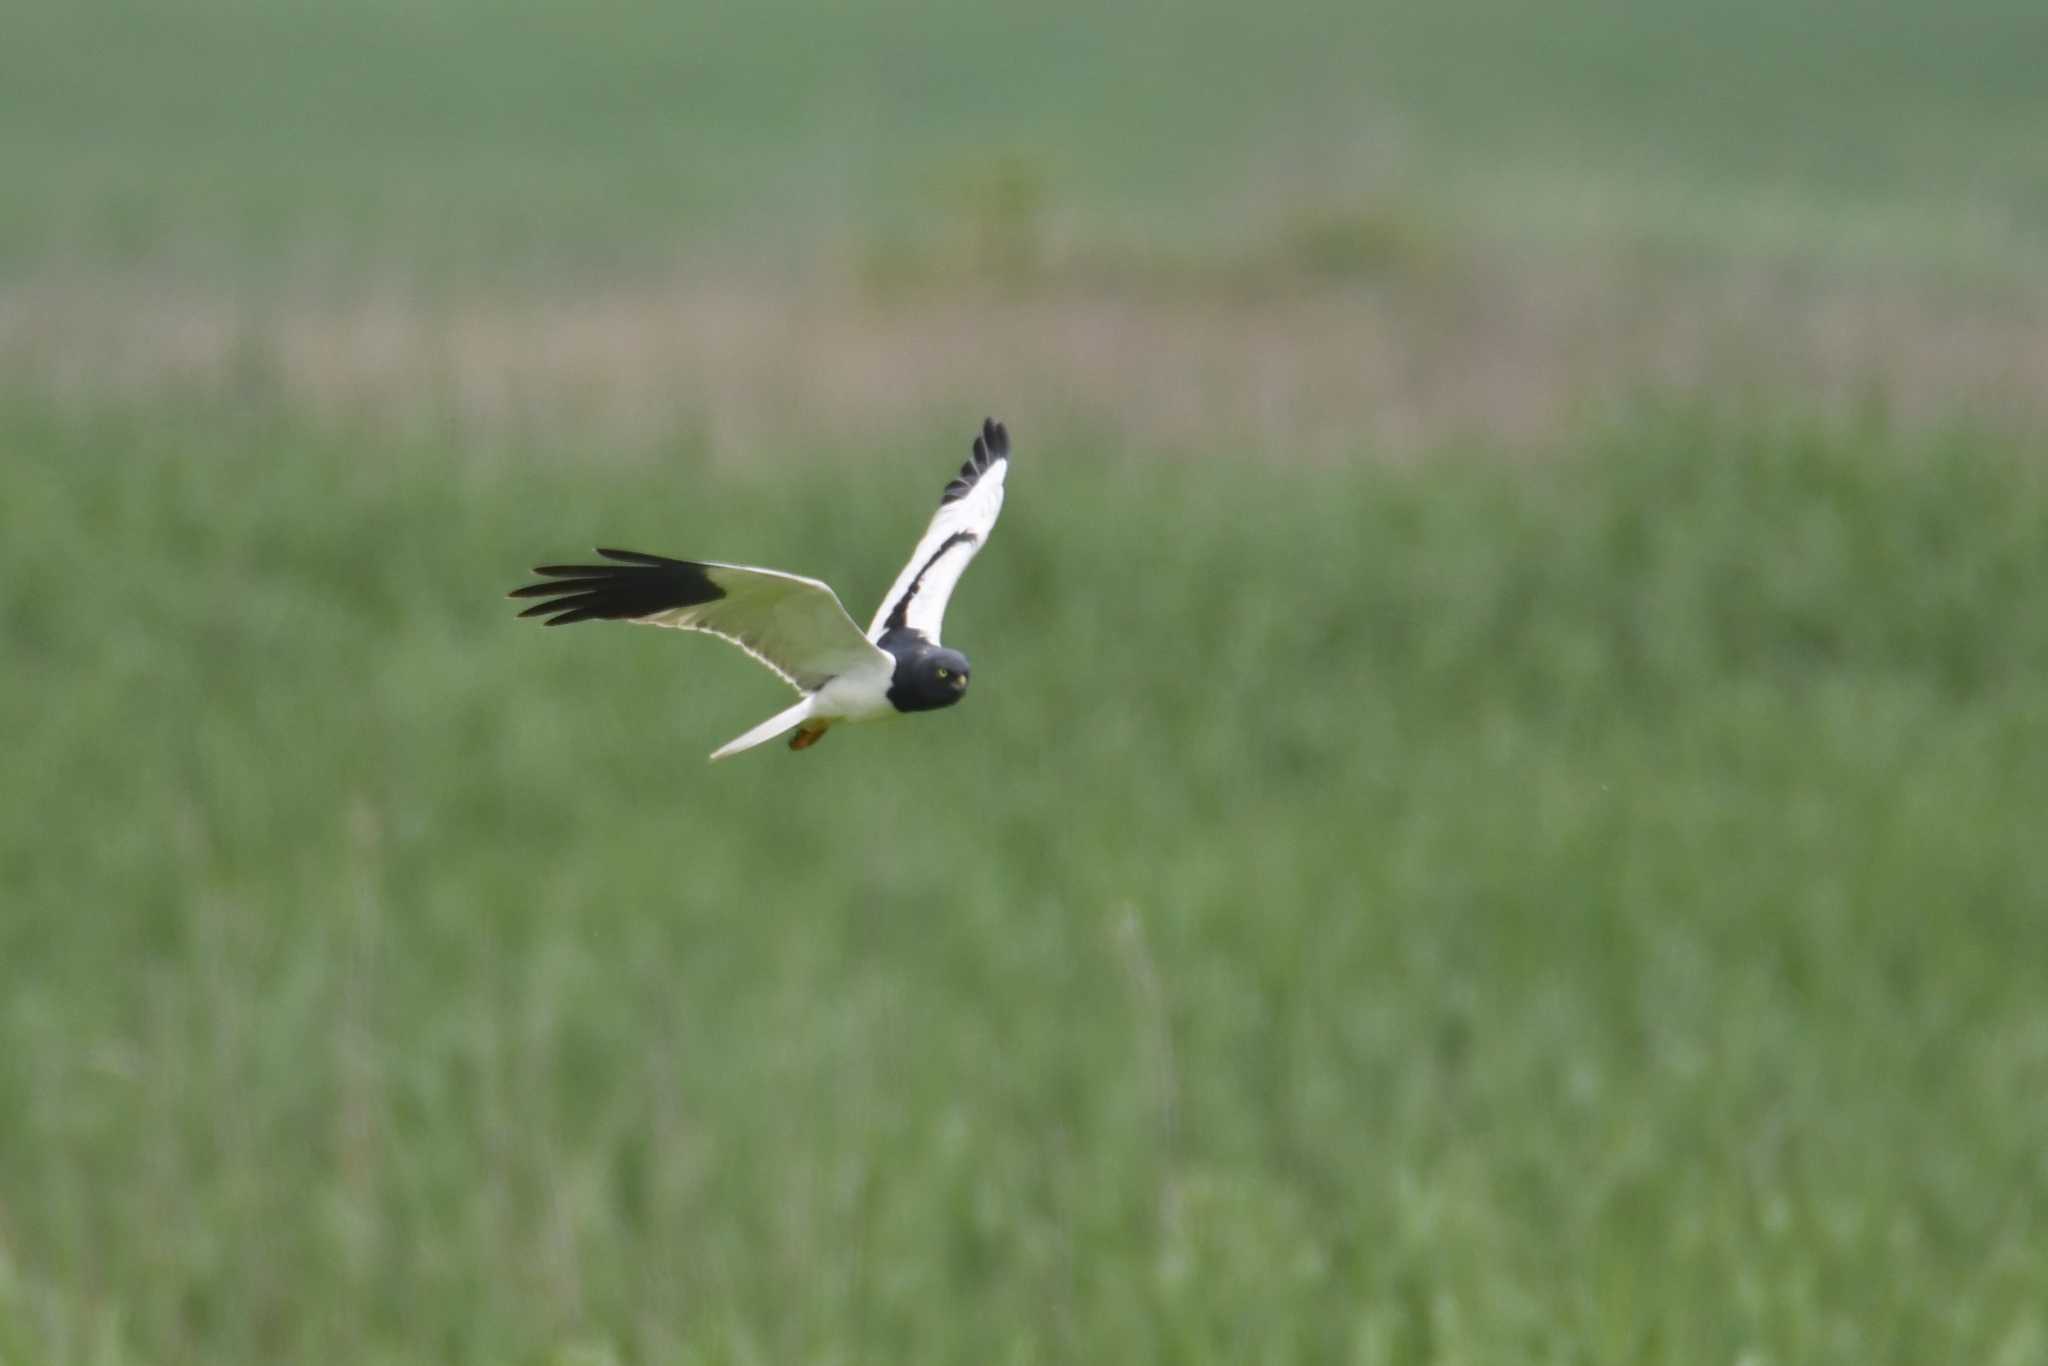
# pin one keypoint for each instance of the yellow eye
(942, 673)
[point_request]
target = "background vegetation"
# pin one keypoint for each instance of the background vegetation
(1499, 818)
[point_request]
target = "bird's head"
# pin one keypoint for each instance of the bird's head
(946, 673)
(927, 676)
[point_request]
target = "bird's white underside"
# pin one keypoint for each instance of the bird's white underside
(860, 696)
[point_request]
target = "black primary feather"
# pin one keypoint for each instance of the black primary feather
(992, 445)
(639, 586)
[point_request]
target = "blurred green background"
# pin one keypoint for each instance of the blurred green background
(1500, 815)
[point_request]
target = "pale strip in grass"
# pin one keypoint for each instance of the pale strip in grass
(1515, 348)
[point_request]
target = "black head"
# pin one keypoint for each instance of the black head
(928, 679)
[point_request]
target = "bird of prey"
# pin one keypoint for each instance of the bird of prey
(796, 626)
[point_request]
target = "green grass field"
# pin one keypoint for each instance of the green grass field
(1581, 912)
(1492, 826)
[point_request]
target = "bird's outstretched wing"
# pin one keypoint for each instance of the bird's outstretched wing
(967, 511)
(793, 625)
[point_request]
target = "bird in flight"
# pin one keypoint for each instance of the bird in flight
(795, 626)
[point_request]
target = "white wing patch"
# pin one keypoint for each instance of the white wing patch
(966, 515)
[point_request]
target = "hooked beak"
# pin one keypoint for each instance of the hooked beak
(958, 681)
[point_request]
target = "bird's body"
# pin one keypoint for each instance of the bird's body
(796, 627)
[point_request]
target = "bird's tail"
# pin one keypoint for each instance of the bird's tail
(767, 730)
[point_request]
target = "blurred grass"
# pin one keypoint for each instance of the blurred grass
(1584, 909)
(462, 139)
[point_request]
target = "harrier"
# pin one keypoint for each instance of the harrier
(796, 626)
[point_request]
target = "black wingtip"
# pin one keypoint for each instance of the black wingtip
(992, 445)
(638, 586)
